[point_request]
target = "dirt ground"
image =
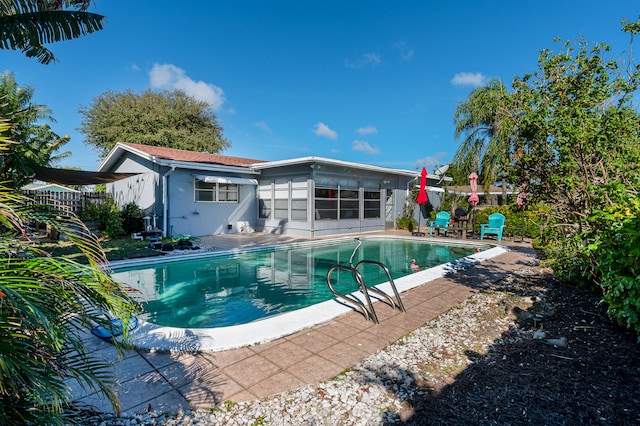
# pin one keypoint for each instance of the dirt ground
(572, 365)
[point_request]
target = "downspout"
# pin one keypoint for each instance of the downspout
(165, 203)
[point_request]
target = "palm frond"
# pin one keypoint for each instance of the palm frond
(27, 26)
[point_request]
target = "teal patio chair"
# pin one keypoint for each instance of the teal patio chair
(495, 226)
(443, 220)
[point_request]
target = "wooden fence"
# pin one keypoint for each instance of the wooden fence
(70, 201)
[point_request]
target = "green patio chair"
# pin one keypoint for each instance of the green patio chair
(443, 220)
(495, 226)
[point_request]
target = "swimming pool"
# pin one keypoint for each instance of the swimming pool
(218, 278)
(239, 288)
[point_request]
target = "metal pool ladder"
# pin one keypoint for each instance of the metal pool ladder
(366, 310)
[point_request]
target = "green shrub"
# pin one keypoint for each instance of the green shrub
(132, 218)
(405, 222)
(108, 215)
(615, 246)
(513, 221)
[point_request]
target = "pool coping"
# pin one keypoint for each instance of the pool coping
(152, 337)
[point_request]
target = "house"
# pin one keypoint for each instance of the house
(191, 193)
(47, 187)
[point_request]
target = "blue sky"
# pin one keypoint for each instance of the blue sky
(371, 81)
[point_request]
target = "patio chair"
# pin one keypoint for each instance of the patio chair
(495, 226)
(443, 220)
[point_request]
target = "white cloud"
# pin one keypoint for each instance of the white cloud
(167, 76)
(263, 126)
(405, 51)
(134, 67)
(364, 147)
(321, 129)
(468, 79)
(366, 60)
(431, 161)
(369, 130)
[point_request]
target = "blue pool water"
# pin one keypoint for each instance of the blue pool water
(220, 291)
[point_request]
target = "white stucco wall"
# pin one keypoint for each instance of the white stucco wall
(189, 217)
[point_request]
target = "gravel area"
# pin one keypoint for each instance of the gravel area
(512, 354)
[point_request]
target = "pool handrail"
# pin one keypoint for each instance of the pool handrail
(397, 303)
(367, 311)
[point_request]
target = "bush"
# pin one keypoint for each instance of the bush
(108, 215)
(132, 218)
(615, 247)
(513, 220)
(405, 222)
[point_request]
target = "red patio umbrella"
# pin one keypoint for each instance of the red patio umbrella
(422, 193)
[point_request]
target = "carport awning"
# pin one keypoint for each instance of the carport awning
(226, 179)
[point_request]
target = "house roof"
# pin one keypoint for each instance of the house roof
(51, 187)
(340, 163)
(191, 159)
(191, 156)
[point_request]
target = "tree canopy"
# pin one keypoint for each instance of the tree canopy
(168, 119)
(33, 140)
(569, 134)
(27, 25)
(485, 140)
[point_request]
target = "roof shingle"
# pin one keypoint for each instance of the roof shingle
(192, 156)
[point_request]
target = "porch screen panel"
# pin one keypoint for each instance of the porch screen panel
(372, 204)
(281, 200)
(326, 203)
(264, 201)
(349, 204)
(299, 197)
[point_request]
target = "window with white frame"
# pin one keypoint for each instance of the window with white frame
(216, 192)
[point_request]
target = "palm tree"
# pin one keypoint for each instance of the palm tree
(36, 144)
(27, 25)
(46, 305)
(481, 123)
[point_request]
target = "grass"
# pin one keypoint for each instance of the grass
(115, 249)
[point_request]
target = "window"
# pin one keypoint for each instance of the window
(227, 192)
(326, 203)
(299, 198)
(264, 201)
(221, 192)
(205, 191)
(281, 200)
(349, 204)
(371, 204)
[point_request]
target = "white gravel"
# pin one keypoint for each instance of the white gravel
(374, 392)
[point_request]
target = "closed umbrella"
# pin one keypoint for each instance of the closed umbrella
(521, 201)
(422, 193)
(473, 199)
(473, 181)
